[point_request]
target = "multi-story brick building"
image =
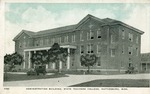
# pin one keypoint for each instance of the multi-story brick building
(116, 44)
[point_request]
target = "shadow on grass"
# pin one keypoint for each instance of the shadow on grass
(115, 83)
(20, 77)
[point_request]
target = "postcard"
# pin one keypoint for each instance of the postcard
(75, 47)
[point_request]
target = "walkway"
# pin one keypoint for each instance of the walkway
(72, 80)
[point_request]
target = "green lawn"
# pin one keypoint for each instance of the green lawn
(114, 83)
(20, 77)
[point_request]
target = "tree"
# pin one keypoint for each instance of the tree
(88, 60)
(7, 59)
(40, 57)
(17, 59)
(12, 60)
(57, 54)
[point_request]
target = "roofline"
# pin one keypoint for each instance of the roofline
(75, 27)
(123, 24)
(47, 48)
(18, 35)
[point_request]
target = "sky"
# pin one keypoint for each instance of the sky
(42, 16)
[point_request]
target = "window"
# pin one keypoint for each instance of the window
(121, 64)
(73, 60)
(73, 38)
(46, 41)
(90, 48)
(41, 41)
(28, 44)
(24, 44)
(20, 45)
(81, 36)
(112, 39)
(36, 43)
(53, 41)
(90, 35)
(130, 62)
(130, 37)
(123, 34)
(81, 49)
(66, 39)
(99, 61)
(99, 48)
(137, 51)
(123, 49)
(98, 33)
(112, 52)
(59, 40)
(130, 50)
(137, 39)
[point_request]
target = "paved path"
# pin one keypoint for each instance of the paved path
(72, 80)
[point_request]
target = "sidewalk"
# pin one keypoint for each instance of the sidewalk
(72, 80)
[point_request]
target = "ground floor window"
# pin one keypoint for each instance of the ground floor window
(99, 61)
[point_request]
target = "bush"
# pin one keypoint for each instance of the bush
(31, 72)
(131, 70)
(40, 69)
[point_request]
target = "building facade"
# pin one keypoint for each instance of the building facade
(116, 44)
(145, 62)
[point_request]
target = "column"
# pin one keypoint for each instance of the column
(141, 66)
(53, 65)
(24, 60)
(146, 66)
(68, 59)
(60, 64)
(29, 60)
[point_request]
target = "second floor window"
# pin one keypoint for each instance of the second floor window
(99, 48)
(53, 41)
(81, 36)
(73, 38)
(66, 39)
(46, 41)
(81, 49)
(41, 41)
(36, 43)
(20, 45)
(90, 48)
(59, 40)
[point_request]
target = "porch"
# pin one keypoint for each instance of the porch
(27, 64)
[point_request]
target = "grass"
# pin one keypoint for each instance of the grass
(20, 77)
(115, 83)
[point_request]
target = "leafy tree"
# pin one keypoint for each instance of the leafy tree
(17, 59)
(88, 60)
(7, 59)
(12, 60)
(40, 57)
(57, 54)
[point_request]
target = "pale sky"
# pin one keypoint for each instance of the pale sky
(41, 16)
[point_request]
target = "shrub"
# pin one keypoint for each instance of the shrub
(31, 72)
